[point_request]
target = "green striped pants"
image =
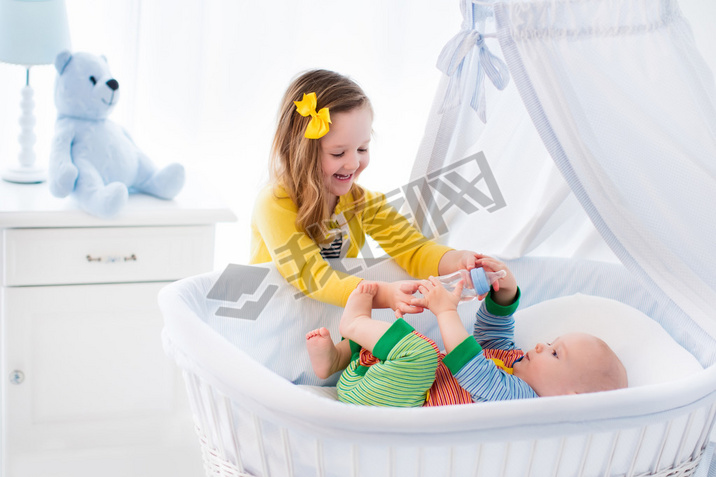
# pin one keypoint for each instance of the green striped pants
(402, 376)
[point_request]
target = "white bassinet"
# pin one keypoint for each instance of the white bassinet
(253, 421)
(600, 150)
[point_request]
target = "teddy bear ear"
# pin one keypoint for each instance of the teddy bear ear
(61, 61)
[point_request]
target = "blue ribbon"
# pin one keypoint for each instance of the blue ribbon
(452, 62)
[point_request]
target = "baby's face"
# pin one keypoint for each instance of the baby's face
(555, 368)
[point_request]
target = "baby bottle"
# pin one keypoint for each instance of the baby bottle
(476, 282)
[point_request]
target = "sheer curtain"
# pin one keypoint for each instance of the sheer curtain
(626, 106)
(540, 216)
(620, 99)
(201, 81)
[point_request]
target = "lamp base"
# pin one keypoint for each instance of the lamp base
(25, 175)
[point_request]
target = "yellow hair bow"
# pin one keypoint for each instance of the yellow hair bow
(318, 127)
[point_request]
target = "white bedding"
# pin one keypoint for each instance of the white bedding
(648, 353)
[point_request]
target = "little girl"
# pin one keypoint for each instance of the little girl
(314, 210)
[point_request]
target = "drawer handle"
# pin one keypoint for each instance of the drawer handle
(17, 377)
(112, 259)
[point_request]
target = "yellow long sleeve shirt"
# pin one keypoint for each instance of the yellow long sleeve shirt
(275, 238)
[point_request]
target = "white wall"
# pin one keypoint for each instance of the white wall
(201, 80)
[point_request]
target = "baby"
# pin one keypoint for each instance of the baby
(388, 364)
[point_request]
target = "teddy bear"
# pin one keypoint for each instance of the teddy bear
(93, 158)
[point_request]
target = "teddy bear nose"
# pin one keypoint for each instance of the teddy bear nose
(113, 84)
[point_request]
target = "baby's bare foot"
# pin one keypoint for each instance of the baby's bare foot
(322, 352)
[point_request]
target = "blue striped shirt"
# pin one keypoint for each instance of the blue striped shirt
(479, 376)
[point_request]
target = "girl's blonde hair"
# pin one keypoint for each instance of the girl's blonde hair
(296, 160)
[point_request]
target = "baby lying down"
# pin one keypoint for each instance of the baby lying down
(387, 364)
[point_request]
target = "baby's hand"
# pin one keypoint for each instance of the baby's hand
(505, 289)
(399, 296)
(436, 298)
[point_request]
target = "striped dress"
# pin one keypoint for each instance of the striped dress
(406, 368)
(333, 250)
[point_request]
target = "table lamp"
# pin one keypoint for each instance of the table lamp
(32, 32)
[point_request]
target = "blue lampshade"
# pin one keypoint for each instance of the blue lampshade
(32, 32)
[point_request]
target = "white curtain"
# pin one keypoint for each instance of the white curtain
(540, 217)
(619, 96)
(627, 107)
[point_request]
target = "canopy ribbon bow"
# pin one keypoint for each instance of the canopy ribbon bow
(452, 62)
(318, 126)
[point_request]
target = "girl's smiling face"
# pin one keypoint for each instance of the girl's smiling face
(344, 151)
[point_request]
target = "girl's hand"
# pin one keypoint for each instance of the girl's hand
(455, 260)
(504, 289)
(398, 296)
(436, 298)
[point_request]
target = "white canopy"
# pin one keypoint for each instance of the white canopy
(615, 96)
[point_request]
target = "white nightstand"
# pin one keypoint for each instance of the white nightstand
(86, 387)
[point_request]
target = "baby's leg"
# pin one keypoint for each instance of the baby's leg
(356, 322)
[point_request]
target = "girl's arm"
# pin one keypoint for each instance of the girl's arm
(416, 254)
(296, 256)
(298, 259)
